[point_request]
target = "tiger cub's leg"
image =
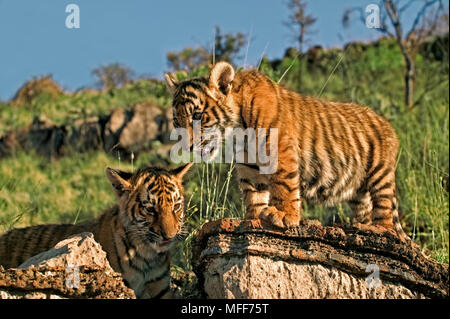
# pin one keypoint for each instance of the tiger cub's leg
(361, 207)
(284, 188)
(381, 186)
(255, 190)
(385, 205)
(376, 207)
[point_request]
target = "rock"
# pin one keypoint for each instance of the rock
(250, 259)
(46, 138)
(86, 134)
(76, 251)
(42, 136)
(76, 267)
(132, 130)
(123, 132)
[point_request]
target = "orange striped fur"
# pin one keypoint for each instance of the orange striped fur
(136, 233)
(328, 152)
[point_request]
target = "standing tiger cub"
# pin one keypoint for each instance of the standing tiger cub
(328, 152)
(136, 233)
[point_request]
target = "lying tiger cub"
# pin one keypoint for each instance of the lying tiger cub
(136, 233)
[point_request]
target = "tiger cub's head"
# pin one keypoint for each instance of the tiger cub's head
(151, 203)
(204, 105)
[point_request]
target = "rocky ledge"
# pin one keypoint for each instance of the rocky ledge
(75, 268)
(249, 259)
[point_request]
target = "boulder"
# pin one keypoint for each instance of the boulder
(132, 130)
(42, 136)
(250, 259)
(75, 251)
(85, 134)
(46, 138)
(76, 267)
(121, 133)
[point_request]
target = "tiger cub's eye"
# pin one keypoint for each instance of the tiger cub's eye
(150, 210)
(197, 116)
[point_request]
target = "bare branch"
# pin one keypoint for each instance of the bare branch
(406, 6)
(392, 13)
(419, 18)
(301, 20)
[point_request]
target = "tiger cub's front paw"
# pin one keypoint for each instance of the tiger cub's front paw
(280, 218)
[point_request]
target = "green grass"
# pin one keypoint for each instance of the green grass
(34, 190)
(82, 104)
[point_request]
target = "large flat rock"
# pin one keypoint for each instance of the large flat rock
(249, 259)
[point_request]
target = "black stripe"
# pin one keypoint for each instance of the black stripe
(184, 101)
(262, 187)
(252, 166)
(377, 197)
(370, 156)
(147, 179)
(246, 181)
(190, 94)
(379, 206)
(354, 202)
(193, 85)
(330, 153)
(375, 170)
(257, 118)
(248, 190)
(244, 123)
(201, 80)
(357, 140)
(214, 112)
(285, 185)
(276, 199)
(375, 128)
(292, 175)
(387, 185)
(380, 178)
(316, 164)
(207, 105)
(218, 109)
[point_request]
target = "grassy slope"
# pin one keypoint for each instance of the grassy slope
(33, 190)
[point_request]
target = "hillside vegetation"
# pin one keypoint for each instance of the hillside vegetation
(35, 189)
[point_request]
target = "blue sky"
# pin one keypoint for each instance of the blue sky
(35, 41)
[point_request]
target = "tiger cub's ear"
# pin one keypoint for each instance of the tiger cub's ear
(180, 171)
(120, 180)
(171, 82)
(220, 78)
